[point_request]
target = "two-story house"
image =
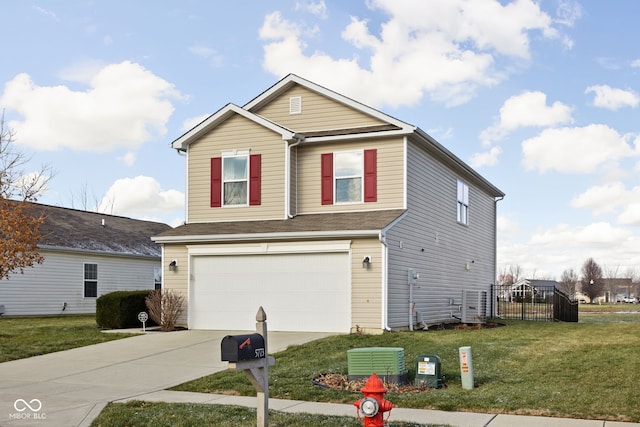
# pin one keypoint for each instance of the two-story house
(331, 215)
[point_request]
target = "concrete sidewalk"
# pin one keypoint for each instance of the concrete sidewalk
(70, 388)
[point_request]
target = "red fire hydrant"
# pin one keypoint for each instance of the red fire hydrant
(372, 406)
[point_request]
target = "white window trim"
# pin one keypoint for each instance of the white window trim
(85, 280)
(233, 155)
(462, 203)
(335, 178)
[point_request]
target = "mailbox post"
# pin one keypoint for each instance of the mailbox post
(249, 353)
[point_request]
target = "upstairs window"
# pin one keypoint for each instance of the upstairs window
(90, 280)
(236, 180)
(349, 167)
(463, 203)
(349, 177)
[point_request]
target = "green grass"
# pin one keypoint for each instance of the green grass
(146, 414)
(22, 337)
(580, 370)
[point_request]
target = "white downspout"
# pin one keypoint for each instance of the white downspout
(287, 174)
(385, 282)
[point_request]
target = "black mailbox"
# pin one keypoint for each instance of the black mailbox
(236, 348)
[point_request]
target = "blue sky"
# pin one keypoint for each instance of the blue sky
(542, 98)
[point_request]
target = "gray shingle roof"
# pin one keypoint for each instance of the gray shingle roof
(347, 223)
(73, 229)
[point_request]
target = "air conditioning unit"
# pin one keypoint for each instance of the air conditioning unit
(386, 362)
(474, 306)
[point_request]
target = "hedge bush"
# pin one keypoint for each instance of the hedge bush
(118, 310)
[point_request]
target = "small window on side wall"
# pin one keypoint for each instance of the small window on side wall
(463, 203)
(90, 280)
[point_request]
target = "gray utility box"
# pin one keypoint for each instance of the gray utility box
(429, 370)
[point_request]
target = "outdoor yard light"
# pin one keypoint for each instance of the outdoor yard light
(173, 265)
(366, 262)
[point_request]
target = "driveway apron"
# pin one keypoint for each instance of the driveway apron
(70, 388)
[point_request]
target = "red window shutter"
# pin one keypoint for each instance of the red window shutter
(370, 176)
(216, 182)
(255, 171)
(327, 178)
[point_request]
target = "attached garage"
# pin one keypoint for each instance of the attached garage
(301, 287)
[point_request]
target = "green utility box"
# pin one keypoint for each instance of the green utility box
(386, 362)
(429, 370)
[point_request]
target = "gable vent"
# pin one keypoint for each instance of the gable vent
(295, 105)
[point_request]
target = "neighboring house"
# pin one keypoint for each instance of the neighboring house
(86, 254)
(329, 214)
(540, 290)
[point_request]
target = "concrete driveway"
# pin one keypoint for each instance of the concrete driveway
(70, 388)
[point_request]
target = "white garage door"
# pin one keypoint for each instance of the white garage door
(299, 292)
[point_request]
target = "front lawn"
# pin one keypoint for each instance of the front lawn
(22, 337)
(579, 370)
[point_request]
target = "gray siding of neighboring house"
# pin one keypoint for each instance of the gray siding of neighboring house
(430, 240)
(44, 288)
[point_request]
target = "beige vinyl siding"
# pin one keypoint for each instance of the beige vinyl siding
(236, 133)
(318, 113)
(44, 288)
(390, 175)
(177, 281)
(431, 240)
(366, 289)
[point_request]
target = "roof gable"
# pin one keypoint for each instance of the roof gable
(292, 80)
(221, 116)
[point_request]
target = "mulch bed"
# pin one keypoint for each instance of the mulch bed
(341, 382)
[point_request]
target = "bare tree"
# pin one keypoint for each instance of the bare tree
(509, 275)
(568, 282)
(19, 222)
(591, 281)
(165, 307)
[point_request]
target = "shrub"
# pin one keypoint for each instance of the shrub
(165, 307)
(118, 310)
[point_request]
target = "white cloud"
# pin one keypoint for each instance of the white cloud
(129, 158)
(317, 8)
(613, 98)
(213, 56)
(189, 124)
(551, 251)
(124, 106)
(631, 214)
(635, 63)
(565, 236)
(574, 150)
(46, 12)
(602, 199)
(139, 196)
(568, 12)
(524, 110)
(487, 158)
(507, 226)
(444, 49)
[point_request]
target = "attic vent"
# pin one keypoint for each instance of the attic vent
(474, 306)
(295, 105)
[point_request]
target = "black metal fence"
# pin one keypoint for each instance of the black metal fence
(539, 303)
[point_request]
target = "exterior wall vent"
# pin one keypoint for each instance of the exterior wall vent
(474, 306)
(386, 362)
(295, 105)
